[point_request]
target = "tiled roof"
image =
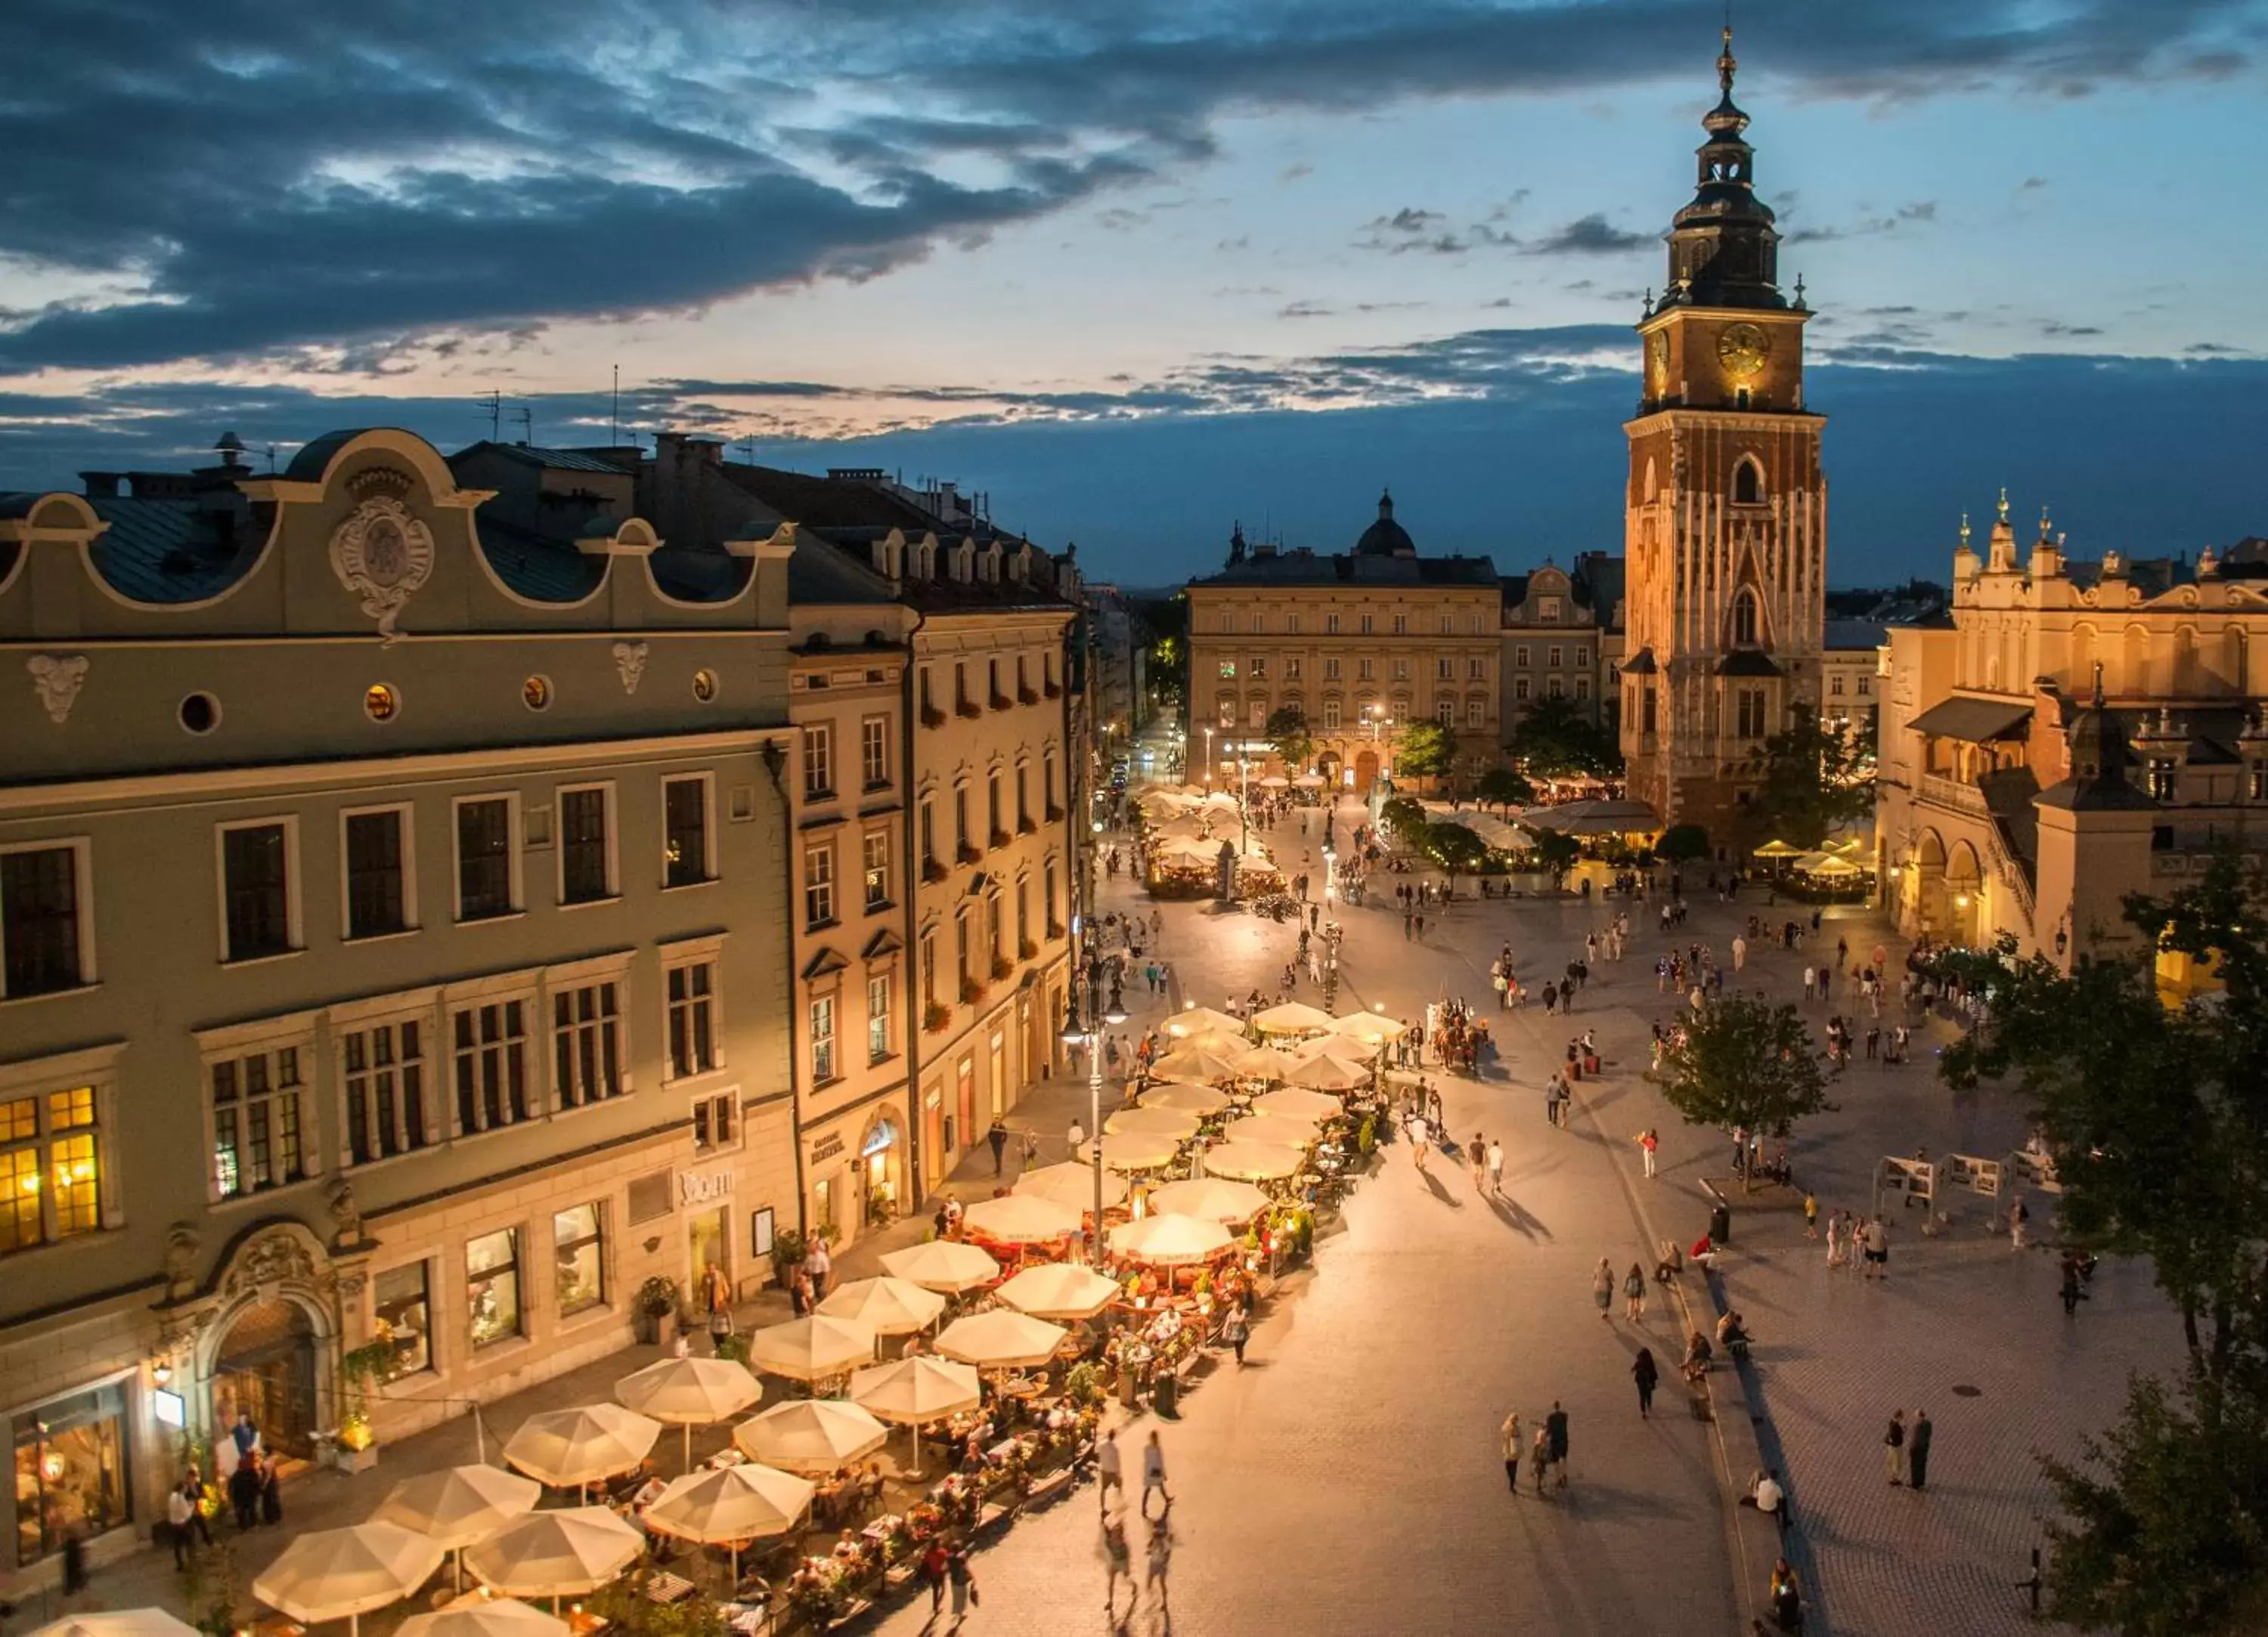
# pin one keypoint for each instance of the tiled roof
(1301, 567)
(158, 551)
(1854, 634)
(539, 567)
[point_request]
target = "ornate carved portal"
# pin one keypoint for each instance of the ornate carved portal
(265, 1335)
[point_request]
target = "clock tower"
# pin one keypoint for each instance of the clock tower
(1725, 513)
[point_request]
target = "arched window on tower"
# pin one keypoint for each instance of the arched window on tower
(1744, 620)
(1748, 483)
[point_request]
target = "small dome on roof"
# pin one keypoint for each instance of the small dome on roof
(1386, 537)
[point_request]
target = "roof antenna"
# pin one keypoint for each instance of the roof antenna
(495, 401)
(615, 416)
(748, 443)
(527, 425)
(271, 461)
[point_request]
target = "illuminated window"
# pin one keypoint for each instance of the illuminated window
(51, 1159)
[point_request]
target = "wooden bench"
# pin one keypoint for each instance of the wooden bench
(991, 1513)
(1045, 1489)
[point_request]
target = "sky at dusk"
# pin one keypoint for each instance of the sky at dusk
(1142, 269)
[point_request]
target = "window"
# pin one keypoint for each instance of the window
(1258, 668)
(1448, 624)
(928, 704)
(1520, 687)
(1520, 656)
(1475, 670)
(1228, 710)
(818, 763)
(1257, 714)
(716, 1122)
(1292, 623)
(1865, 684)
(256, 889)
(1554, 686)
(1330, 671)
(586, 1044)
(1228, 671)
(928, 968)
(1835, 684)
(2161, 781)
(587, 861)
(1024, 798)
(1048, 783)
(1582, 653)
(1750, 707)
(45, 944)
(488, 867)
(1552, 657)
(1646, 710)
(961, 820)
(875, 851)
(402, 1305)
(1401, 671)
(960, 688)
(578, 1243)
(1401, 625)
(1444, 669)
(1365, 670)
(1747, 484)
(685, 832)
(928, 820)
(994, 811)
(71, 1472)
(818, 884)
(1023, 914)
(1547, 608)
(692, 1019)
(258, 1134)
(51, 1160)
(492, 1286)
(1582, 688)
(1744, 618)
(1445, 711)
(874, 752)
(1048, 897)
(488, 1041)
(376, 873)
(878, 1017)
(1369, 623)
(1476, 714)
(1331, 716)
(1291, 669)
(382, 1091)
(822, 1039)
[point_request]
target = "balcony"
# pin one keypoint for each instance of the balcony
(1953, 793)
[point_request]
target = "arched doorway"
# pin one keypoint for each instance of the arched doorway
(1327, 765)
(1964, 883)
(265, 1367)
(1922, 885)
(878, 1172)
(1366, 770)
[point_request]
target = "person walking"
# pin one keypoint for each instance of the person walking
(1877, 1241)
(1120, 1561)
(1418, 1143)
(964, 1581)
(1234, 1331)
(244, 1489)
(1603, 1289)
(1835, 1257)
(1509, 1435)
(934, 1569)
(1646, 1373)
(1918, 1450)
(998, 1136)
(1496, 1167)
(1894, 1447)
(179, 1510)
(1109, 1469)
(1648, 1141)
(271, 1493)
(1539, 1458)
(2018, 1215)
(1479, 1156)
(1555, 1430)
(819, 1263)
(1634, 1294)
(1161, 1561)
(1154, 1473)
(1810, 1214)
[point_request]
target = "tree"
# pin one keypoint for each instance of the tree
(1556, 851)
(1454, 849)
(1816, 781)
(1425, 751)
(1744, 1062)
(1404, 816)
(1501, 787)
(1287, 727)
(1555, 741)
(1681, 844)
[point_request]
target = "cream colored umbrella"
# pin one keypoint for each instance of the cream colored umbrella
(1292, 1017)
(1343, 1049)
(555, 1554)
(118, 1623)
(916, 1391)
(1195, 1020)
(810, 1434)
(1171, 1240)
(729, 1506)
(486, 1617)
(1150, 1121)
(1298, 1103)
(1286, 1130)
(1214, 1199)
(1275, 782)
(459, 1505)
(343, 1574)
(1188, 1099)
(690, 1392)
(1252, 1161)
(1020, 1219)
(1371, 1028)
(1266, 1062)
(811, 1347)
(1060, 1290)
(888, 1307)
(1001, 1339)
(1322, 1072)
(1073, 1185)
(570, 1448)
(1131, 1153)
(943, 1265)
(1310, 782)
(1198, 1065)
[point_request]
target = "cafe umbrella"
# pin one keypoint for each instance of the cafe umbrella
(1149, 1121)
(486, 1617)
(562, 1554)
(943, 1265)
(1131, 1152)
(1001, 1339)
(1252, 1161)
(1060, 1290)
(1171, 1240)
(1215, 1199)
(343, 1574)
(690, 1392)
(916, 1391)
(810, 1434)
(730, 1505)
(1188, 1099)
(1298, 1103)
(811, 1347)
(458, 1506)
(1197, 1020)
(1289, 1131)
(118, 1623)
(1022, 1219)
(573, 1449)
(1292, 1017)
(1073, 1185)
(887, 1306)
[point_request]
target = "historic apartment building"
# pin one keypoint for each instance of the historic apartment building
(1563, 638)
(1726, 532)
(396, 936)
(1363, 643)
(2074, 731)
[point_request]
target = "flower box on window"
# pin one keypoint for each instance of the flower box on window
(966, 852)
(972, 992)
(937, 1017)
(1026, 949)
(931, 717)
(1002, 967)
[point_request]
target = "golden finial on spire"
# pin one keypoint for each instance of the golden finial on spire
(2003, 502)
(1726, 64)
(1964, 530)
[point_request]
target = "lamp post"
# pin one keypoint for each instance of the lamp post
(1097, 1020)
(1243, 801)
(1208, 733)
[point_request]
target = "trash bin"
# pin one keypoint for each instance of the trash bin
(1163, 1393)
(1720, 1222)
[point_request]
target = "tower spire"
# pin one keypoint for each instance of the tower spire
(1727, 65)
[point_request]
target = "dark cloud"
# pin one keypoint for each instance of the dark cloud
(1920, 211)
(1591, 235)
(2056, 327)
(2032, 184)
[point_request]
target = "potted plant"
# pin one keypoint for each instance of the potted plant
(355, 1450)
(651, 1311)
(937, 1017)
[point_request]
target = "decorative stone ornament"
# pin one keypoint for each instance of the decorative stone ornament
(629, 664)
(58, 678)
(382, 553)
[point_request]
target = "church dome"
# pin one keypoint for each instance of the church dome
(1386, 537)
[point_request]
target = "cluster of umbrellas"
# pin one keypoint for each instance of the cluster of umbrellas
(1836, 861)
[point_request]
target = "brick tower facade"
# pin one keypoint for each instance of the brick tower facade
(1726, 513)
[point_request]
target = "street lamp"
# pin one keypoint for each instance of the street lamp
(1208, 733)
(1098, 1019)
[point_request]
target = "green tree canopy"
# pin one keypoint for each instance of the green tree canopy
(1404, 816)
(1455, 849)
(1554, 739)
(1744, 1062)
(1556, 852)
(1287, 728)
(1817, 780)
(1501, 787)
(1682, 843)
(1425, 749)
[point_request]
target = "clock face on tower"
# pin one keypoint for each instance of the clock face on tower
(1742, 349)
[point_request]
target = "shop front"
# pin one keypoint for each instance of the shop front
(72, 1472)
(854, 1172)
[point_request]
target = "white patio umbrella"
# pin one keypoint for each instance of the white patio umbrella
(888, 1307)
(1002, 1339)
(1149, 1121)
(810, 1434)
(459, 1505)
(1298, 1103)
(943, 1265)
(1371, 1028)
(809, 1349)
(1343, 1049)
(1321, 1073)
(1274, 782)
(1189, 1099)
(343, 1574)
(690, 1392)
(1252, 1161)
(1060, 1290)
(1199, 1064)
(1214, 1199)
(916, 1391)
(562, 1554)
(1221, 800)
(1195, 1020)
(1285, 1131)
(1130, 1152)
(571, 1448)
(1310, 782)
(1266, 1062)
(729, 1506)
(1171, 1240)
(118, 1623)
(1292, 1017)
(1073, 1185)
(489, 1617)
(1022, 1219)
